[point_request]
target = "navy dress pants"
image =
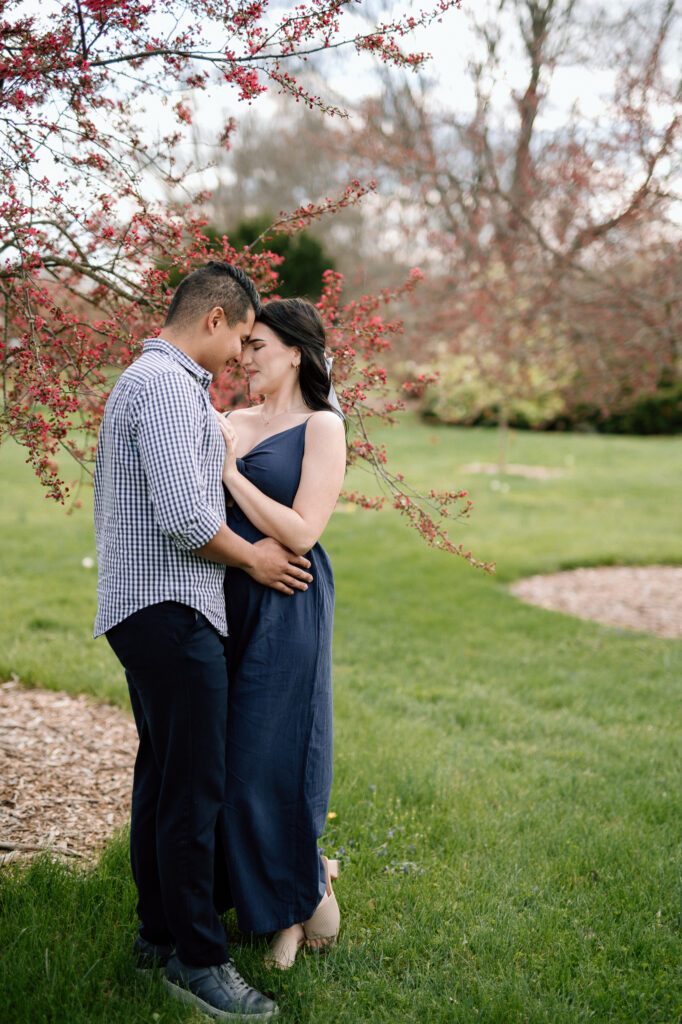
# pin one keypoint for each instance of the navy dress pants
(177, 678)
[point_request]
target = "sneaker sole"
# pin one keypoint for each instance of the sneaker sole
(147, 971)
(185, 995)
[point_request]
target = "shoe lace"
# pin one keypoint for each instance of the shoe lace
(229, 972)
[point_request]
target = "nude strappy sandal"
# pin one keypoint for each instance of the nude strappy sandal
(323, 926)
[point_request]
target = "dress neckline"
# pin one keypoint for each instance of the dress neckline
(278, 433)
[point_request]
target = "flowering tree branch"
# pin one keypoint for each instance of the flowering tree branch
(85, 247)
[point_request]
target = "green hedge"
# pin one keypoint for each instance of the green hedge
(660, 413)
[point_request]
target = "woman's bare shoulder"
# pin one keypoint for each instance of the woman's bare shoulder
(325, 419)
(325, 426)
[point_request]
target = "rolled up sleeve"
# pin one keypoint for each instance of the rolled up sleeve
(169, 423)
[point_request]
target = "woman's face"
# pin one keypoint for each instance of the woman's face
(267, 361)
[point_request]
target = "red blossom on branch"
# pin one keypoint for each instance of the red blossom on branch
(85, 245)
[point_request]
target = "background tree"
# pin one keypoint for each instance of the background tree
(300, 258)
(304, 261)
(553, 251)
(285, 156)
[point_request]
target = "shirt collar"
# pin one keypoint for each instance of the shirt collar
(161, 345)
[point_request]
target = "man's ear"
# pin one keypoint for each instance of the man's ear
(215, 318)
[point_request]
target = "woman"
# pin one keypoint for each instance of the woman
(284, 469)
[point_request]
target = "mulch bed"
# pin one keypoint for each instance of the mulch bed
(66, 768)
(646, 598)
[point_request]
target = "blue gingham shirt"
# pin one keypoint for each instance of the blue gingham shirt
(158, 490)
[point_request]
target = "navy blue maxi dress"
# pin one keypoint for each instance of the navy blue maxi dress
(279, 734)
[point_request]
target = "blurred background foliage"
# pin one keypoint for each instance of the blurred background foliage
(539, 189)
(303, 257)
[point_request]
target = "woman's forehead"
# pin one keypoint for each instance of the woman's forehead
(259, 332)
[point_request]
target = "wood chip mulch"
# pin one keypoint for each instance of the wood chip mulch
(66, 763)
(646, 598)
(66, 768)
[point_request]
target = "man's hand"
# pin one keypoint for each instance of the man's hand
(267, 561)
(277, 567)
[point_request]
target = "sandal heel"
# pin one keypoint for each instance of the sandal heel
(323, 926)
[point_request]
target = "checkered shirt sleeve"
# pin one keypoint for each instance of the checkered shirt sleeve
(169, 443)
(158, 490)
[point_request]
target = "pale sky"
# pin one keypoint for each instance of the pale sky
(452, 44)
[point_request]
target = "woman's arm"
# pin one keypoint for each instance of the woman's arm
(322, 471)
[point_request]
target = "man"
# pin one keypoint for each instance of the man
(161, 546)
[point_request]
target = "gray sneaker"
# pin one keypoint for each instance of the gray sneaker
(219, 991)
(149, 956)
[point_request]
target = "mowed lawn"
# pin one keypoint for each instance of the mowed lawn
(507, 779)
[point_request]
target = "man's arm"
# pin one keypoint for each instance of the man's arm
(266, 560)
(167, 430)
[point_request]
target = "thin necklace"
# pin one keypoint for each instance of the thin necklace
(294, 408)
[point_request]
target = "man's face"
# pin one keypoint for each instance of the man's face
(225, 344)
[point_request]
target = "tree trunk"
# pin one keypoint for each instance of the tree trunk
(502, 437)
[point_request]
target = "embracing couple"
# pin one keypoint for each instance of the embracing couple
(229, 669)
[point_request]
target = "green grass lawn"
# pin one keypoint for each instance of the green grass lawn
(507, 779)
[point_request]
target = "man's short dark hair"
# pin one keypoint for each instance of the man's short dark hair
(215, 284)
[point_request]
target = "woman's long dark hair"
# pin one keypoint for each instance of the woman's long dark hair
(298, 324)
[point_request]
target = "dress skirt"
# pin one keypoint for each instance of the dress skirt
(279, 733)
